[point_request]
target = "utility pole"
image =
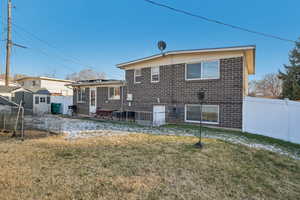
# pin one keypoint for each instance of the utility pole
(8, 43)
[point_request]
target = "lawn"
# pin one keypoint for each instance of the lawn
(142, 167)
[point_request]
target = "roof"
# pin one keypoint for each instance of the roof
(39, 90)
(98, 82)
(5, 101)
(44, 78)
(193, 51)
(9, 89)
(35, 90)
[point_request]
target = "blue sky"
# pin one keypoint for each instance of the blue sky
(103, 33)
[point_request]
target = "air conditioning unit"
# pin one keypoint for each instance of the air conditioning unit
(129, 97)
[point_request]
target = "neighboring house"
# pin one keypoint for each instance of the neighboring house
(163, 88)
(8, 92)
(58, 89)
(53, 85)
(11, 83)
(101, 94)
(34, 101)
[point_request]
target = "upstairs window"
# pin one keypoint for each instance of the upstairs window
(114, 93)
(155, 74)
(137, 75)
(81, 95)
(203, 70)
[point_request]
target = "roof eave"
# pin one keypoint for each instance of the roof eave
(95, 84)
(238, 48)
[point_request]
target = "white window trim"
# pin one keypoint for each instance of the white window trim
(154, 74)
(134, 77)
(204, 122)
(201, 78)
(114, 98)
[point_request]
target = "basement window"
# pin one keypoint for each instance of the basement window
(114, 93)
(203, 70)
(210, 113)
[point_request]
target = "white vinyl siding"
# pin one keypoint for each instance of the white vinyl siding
(154, 74)
(203, 70)
(210, 113)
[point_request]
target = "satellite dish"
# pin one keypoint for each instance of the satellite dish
(162, 45)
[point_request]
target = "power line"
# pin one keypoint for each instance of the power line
(43, 52)
(73, 60)
(218, 22)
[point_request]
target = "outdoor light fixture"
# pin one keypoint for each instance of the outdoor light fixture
(201, 97)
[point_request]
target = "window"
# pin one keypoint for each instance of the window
(210, 113)
(48, 100)
(137, 75)
(114, 93)
(155, 74)
(42, 99)
(81, 95)
(33, 83)
(203, 70)
(37, 100)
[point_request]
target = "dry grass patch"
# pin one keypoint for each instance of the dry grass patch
(143, 167)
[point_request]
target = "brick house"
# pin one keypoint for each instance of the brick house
(163, 88)
(167, 85)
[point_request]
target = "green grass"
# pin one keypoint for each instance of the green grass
(143, 167)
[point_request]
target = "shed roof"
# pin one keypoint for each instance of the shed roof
(7, 102)
(103, 82)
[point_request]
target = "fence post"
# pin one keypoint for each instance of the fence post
(22, 125)
(4, 125)
(288, 118)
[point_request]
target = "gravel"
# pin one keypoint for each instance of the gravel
(78, 128)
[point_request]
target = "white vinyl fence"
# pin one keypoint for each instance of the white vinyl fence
(66, 101)
(272, 117)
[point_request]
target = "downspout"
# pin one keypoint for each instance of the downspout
(122, 99)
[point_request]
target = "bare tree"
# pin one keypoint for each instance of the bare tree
(270, 85)
(86, 74)
(51, 74)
